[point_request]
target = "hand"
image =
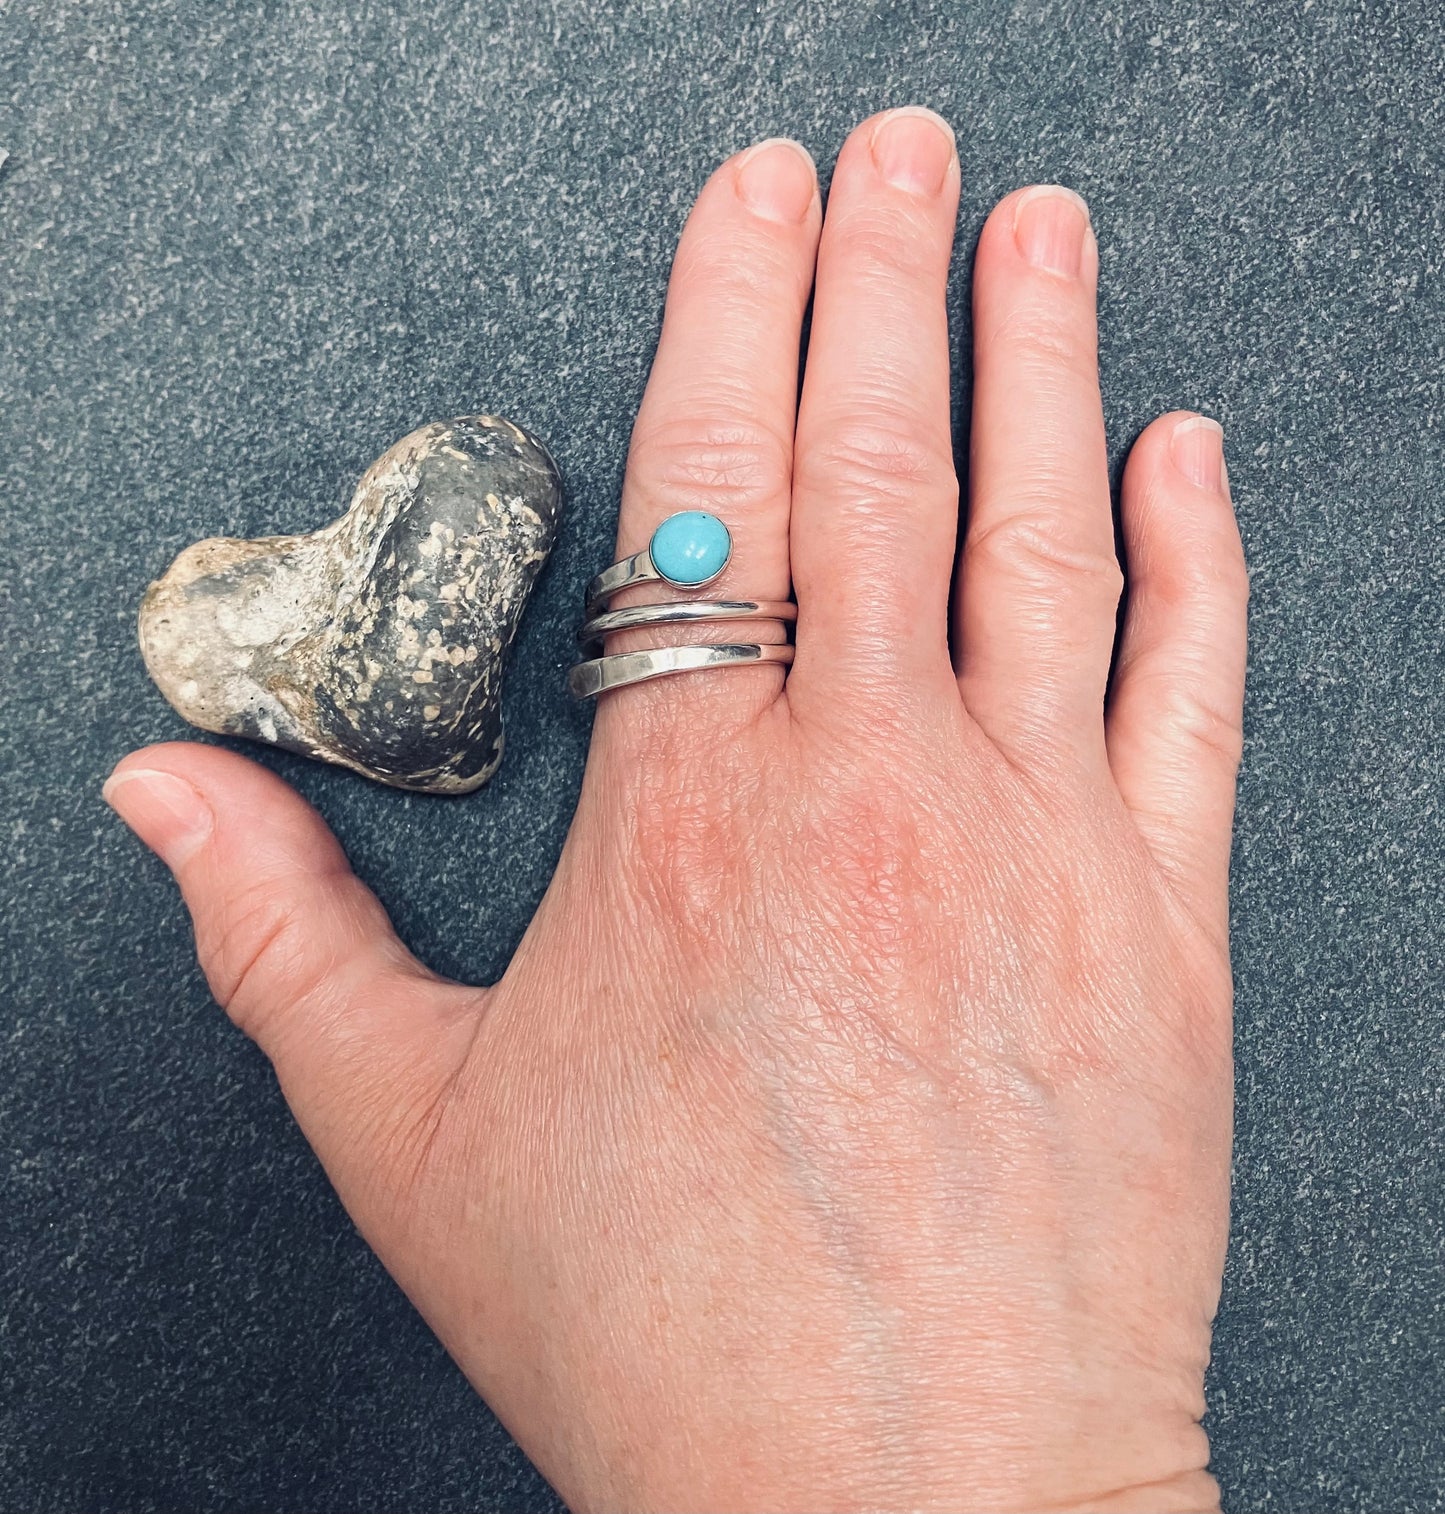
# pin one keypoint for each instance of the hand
(851, 1129)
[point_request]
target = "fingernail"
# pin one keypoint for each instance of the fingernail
(166, 813)
(1197, 447)
(913, 149)
(777, 180)
(1050, 226)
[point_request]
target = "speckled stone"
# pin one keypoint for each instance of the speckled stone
(378, 641)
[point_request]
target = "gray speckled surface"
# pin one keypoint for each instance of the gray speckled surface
(245, 246)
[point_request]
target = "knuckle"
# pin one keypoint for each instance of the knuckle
(261, 955)
(1204, 574)
(1226, 573)
(880, 244)
(1204, 582)
(700, 463)
(739, 272)
(879, 457)
(690, 844)
(1201, 724)
(1019, 545)
(867, 849)
(1046, 341)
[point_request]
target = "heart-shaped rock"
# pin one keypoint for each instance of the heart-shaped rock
(378, 641)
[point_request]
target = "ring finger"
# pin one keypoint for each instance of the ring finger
(1040, 581)
(715, 431)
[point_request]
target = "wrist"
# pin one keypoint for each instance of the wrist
(1194, 1492)
(743, 1475)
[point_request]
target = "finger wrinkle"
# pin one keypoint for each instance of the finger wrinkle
(731, 260)
(1045, 342)
(887, 248)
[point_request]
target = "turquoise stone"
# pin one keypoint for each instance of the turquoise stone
(690, 547)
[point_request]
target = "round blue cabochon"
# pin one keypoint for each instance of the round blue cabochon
(690, 547)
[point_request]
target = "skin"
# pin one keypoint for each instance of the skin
(851, 1129)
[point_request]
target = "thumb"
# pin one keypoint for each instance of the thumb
(300, 953)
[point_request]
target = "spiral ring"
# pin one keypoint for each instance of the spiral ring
(688, 550)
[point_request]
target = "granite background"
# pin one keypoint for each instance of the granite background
(245, 246)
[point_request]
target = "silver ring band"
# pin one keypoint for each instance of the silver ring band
(679, 612)
(640, 569)
(637, 569)
(600, 674)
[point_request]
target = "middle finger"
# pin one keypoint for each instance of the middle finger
(875, 496)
